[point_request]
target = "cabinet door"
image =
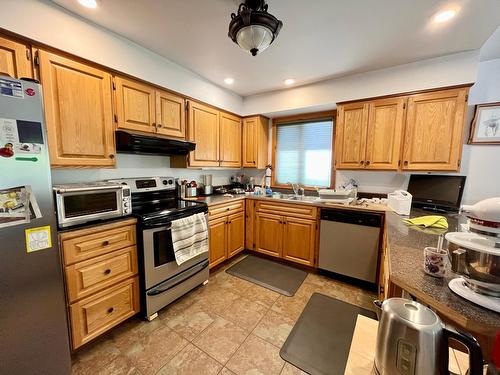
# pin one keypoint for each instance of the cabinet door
(230, 140)
(384, 133)
(135, 105)
(299, 240)
(434, 130)
(351, 136)
(235, 234)
(15, 59)
(78, 111)
(268, 234)
(170, 115)
(249, 224)
(204, 131)
(250, 142)
(218, 241)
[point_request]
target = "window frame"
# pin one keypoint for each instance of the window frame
(299, 118)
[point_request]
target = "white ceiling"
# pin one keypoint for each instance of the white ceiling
(320, 39)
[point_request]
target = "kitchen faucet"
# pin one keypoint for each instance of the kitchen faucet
(297, 189)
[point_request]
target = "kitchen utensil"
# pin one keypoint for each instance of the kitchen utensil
(435, 261)
(208, 189)
(221, 190)
(411, 339)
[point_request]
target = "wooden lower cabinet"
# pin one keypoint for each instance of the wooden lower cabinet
(250, 224)
(268, 234)
(284, 236)
(218, 240)
(102, 288)
(299, 240)
(226, 231)
(97, 314)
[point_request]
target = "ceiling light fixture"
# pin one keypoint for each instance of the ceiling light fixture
(445, 15)
(88, 3)
(253, 29)
(228, 81)
(289, 81)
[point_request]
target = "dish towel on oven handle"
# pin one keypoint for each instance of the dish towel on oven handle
(189, 237)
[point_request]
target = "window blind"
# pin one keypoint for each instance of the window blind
(304, 153)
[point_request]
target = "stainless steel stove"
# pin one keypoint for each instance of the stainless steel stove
(155, 204)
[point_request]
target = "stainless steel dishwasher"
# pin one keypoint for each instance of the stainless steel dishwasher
(349, 243)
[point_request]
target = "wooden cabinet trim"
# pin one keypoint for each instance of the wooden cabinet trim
(225, 209)
(294, 210)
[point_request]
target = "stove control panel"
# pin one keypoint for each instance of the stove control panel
(147, 184)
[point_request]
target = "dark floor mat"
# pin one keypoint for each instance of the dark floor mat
(320, 340)
(272, 275)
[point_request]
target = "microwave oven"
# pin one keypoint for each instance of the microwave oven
(78, 204)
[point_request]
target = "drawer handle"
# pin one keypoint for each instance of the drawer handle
(110, 310)
(105, 243)
(227, 209)
(107, 272)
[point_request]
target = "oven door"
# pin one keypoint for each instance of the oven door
(80, 206)
(159, 258)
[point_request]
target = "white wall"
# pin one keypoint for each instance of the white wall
(438, 72)
(52, 25)
(480, 163)
(128, 166)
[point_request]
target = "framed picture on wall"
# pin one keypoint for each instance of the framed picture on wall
(485, 127)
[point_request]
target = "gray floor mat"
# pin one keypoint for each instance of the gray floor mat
(272, 275)
(319, 342)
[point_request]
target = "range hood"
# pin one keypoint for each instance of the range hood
(134, 143)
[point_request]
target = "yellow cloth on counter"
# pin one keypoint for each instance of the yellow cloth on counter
(433, 221)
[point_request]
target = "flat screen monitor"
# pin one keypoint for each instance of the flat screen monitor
(436, 192)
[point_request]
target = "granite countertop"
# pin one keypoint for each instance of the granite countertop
(221, 199)
(405, 246)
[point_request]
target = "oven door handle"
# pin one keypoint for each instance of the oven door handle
(176, 280)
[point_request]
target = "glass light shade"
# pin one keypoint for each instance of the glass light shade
(254, 38)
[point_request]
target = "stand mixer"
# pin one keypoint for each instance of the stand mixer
(475, 255)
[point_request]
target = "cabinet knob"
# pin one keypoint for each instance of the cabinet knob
(405, 162)
(110, 310)
(107, 272)
(153, 124)
(368, 162)
(105, 243)
(362, 162)
(158, 125)
(111, 156)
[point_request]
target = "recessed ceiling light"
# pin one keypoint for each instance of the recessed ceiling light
(88, 3)
(289, 81)
(228, 81)
(445, 15)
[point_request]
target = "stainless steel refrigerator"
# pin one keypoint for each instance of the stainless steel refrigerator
(33, 322)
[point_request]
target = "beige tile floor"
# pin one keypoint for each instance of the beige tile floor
(230, 326)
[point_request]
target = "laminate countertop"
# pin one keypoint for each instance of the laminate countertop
(405, 250)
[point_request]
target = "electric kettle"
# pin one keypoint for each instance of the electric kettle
(412, 340)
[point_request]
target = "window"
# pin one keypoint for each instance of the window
(303, 152)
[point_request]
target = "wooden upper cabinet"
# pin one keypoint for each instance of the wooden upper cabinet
(384, 133)
(135, 105)
(78, 111)
(299, 240)
(255, 142)
(434, 130)
(204, 131)
(15, 59)
(249, 153)
(170, 115)
(230, 140)
(352, 123)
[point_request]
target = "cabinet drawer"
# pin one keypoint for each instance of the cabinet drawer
(221, 210)
(90, 276)
(85, 244)
(296, 210)
(94, 315)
